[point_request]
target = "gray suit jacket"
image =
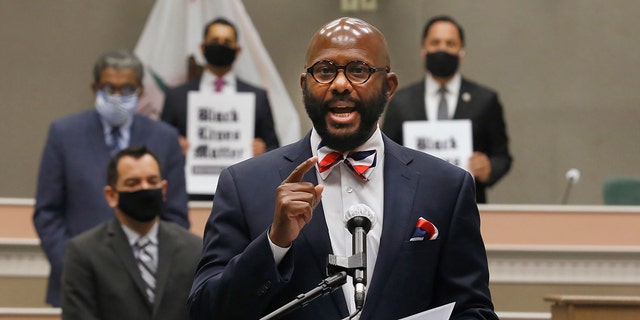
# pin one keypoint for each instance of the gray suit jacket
(73, 173)
(475, 102)
(102, 281)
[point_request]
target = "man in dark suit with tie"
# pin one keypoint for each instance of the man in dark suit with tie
(277, 217)
(134, 266)
(445, 94)
(220, 47)
(69, 198)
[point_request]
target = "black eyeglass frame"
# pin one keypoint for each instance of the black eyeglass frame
(344, 68)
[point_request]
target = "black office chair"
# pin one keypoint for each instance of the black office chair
(621, 191)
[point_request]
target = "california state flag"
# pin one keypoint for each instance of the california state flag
(173, 33)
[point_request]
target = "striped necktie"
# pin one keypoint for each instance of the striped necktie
(361, 163)
(147, 266)
(114, 147)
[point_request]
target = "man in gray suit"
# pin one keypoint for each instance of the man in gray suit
(134, 266)
(70, 198)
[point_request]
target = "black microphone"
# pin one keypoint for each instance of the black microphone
(572, 176)
(359, 220)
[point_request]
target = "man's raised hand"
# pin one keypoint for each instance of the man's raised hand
(295, 202)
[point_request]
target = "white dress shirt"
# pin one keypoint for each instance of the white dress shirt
(125, 133)
(342, 189)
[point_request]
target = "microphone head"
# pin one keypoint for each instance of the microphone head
(359, 215)
(573, 175)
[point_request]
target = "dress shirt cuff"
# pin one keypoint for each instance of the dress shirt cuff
(278, 252)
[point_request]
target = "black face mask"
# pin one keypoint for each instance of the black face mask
(142, 205)
(442, 64)
(219, 55)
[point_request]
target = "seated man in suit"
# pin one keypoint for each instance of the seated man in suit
(70, 197)
(134, 266)
(276, 217)
(445, 94)
(220, 48)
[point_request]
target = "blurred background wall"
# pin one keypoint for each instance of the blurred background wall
(565, 71)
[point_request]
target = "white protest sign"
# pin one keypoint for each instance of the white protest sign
(220, 129)
(450, 140)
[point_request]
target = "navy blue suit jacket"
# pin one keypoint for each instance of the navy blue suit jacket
(487, 121)
(174, 111)
(73, 173)
(237, 277)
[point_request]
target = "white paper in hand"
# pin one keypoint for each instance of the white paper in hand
(440, 313)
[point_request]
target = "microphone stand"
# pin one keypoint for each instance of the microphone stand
(567, 190)
(565, 197)
(326, 286)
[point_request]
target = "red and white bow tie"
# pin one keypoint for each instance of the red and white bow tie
(361, 163)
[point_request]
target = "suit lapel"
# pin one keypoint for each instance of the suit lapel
(465, 98)
(241, 86)
(95, 133)
(420, 107)
(120, 245)
(315, 233)
(138, 131)
(400, 185)
(167, 245)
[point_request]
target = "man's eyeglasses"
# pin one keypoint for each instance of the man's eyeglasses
(125, 90)
(357, 72)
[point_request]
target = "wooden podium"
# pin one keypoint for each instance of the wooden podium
(573, 307)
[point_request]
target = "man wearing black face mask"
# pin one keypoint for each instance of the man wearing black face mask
(220, 48)
(120, 269)
(445, 94)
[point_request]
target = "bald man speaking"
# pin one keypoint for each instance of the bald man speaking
(277, 217)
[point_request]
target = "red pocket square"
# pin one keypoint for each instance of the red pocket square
(424, 229)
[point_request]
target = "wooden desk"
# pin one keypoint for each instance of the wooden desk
(570, 307)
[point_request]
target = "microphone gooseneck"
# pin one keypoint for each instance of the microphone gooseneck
(572, 176)
(359, 219)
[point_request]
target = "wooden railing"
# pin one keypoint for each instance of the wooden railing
(544, 249)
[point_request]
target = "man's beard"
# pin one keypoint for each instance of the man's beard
(369, 115)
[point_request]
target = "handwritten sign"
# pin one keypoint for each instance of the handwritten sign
(220, 129)
(450, 140)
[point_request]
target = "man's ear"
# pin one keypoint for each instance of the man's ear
(164, 190)
(462, 54)
(392, 84)
(112, 196)
(303, 80)
(94, 88)
(423, 54)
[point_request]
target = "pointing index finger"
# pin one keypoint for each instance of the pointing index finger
(297, 173)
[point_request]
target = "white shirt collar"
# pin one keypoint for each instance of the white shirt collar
(133, 236)
(208, 79)
(453, 86)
